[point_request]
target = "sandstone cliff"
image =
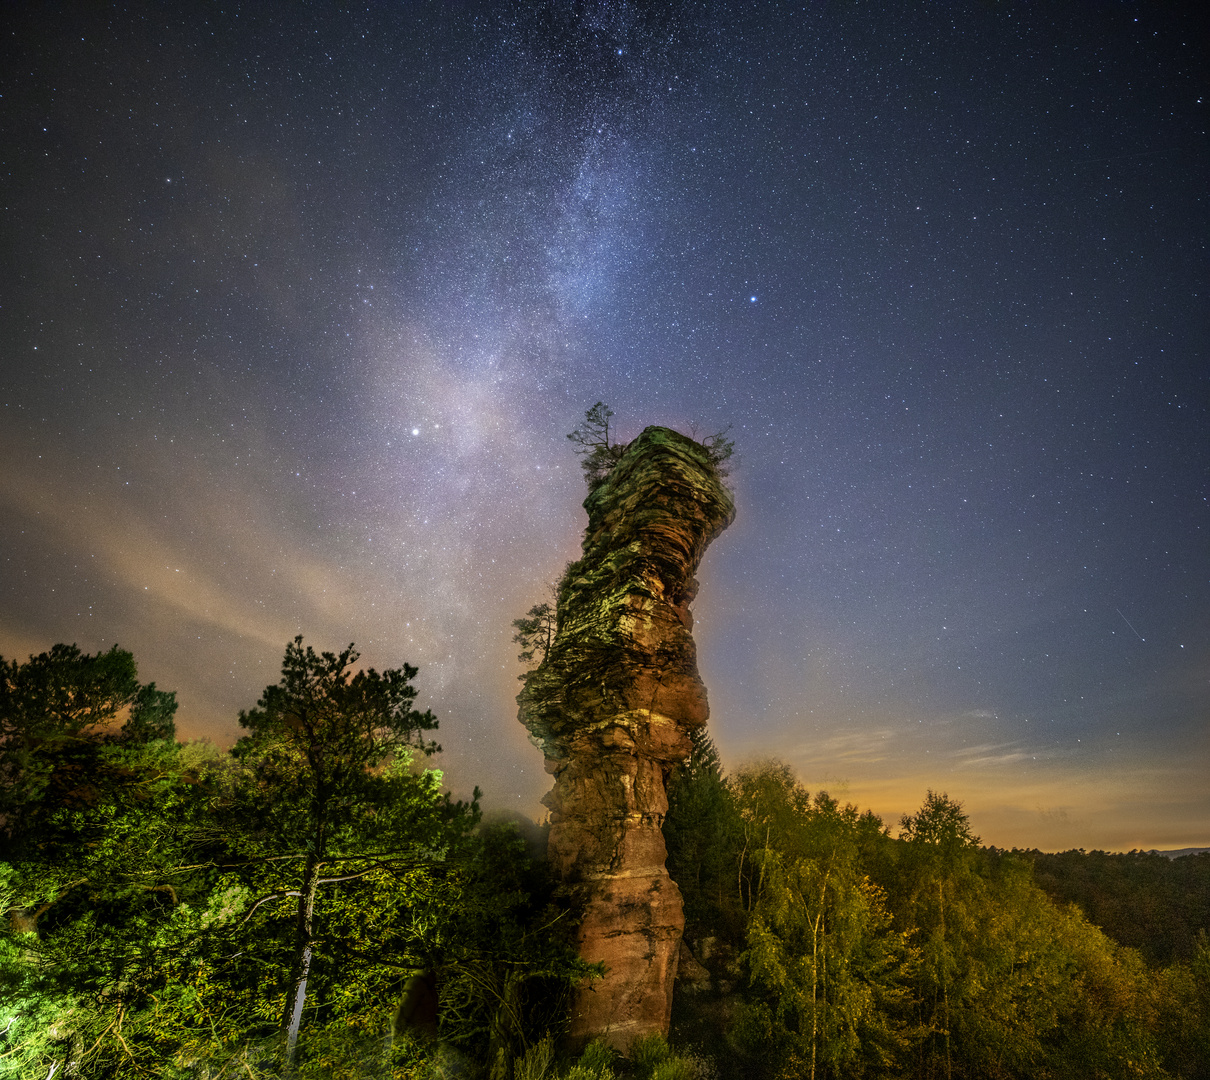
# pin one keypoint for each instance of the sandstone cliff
(611, 706)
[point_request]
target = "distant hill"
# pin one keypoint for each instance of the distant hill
(1178, 853)
(1154, 901)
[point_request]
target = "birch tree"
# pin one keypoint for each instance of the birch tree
(827, 971)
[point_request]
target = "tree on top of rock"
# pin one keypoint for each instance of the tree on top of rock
(599, 454)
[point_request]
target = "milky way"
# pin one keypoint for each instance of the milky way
(298, 305)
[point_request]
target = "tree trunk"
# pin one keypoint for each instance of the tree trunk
(505, 1024)
(945, 993)
(823, 891)
(296, 999)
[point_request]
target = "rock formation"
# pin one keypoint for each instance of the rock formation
(611, 706)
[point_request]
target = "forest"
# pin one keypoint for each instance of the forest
(312, 903)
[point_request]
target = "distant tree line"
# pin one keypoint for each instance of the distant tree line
(1152, 903)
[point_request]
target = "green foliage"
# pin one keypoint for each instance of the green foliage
(674, 1068)
(651, 1058)
(1142, 899)
(1183, 1013)
(827, 972)
(702, 831)
(940, 825)
(325, 776)
(153, 897)
(537, 1064)
(579, 1072)
(925, 956)
(511, 960)
(93, 823)
(648, 1051)
(154, 914)
(599, 453)
(58, 708)
(597, 1061)
(342, 721)
(101, 890)
(65, 692)
(1009, 984)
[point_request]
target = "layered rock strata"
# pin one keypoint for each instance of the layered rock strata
(611, 707)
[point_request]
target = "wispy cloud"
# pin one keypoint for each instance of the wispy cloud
(990, 755)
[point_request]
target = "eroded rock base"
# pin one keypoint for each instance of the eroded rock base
(607, 809)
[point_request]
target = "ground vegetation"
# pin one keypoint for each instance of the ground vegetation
(313, 903)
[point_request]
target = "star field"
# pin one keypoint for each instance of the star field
(298, 305)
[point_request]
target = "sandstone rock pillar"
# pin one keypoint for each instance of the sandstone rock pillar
(611, 706)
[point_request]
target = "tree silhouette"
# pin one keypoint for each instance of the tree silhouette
(598, 452)
(535, 632)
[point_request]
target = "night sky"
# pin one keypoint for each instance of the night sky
(298, 303)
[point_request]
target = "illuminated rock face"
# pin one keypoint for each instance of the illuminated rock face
(611, 707)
